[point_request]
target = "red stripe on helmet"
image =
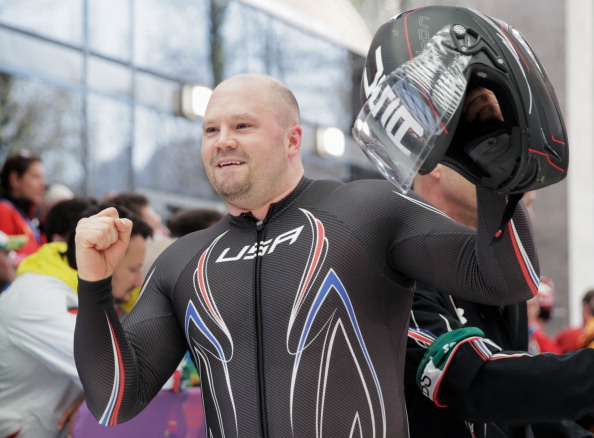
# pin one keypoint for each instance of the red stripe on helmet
(548, 159)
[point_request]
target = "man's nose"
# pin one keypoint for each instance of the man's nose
(226, 140)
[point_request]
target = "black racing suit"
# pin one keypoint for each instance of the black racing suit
(297, 323)
(497, 394)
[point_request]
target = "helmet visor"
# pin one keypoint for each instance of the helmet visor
(408, 109)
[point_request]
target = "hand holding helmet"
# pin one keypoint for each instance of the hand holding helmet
(481, 105)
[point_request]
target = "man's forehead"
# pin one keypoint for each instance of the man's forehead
(233, 116)
(242, 90)
(240, 106)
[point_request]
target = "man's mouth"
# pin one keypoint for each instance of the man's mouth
(229, 163)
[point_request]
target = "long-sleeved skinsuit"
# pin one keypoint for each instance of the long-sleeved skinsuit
(298, 323)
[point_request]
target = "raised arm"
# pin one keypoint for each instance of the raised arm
(121, 368)
(489, 265)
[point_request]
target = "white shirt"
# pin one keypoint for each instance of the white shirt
(38, 377)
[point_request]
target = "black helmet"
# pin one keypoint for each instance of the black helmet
(424, 50)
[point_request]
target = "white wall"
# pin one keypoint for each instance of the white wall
(580, 124)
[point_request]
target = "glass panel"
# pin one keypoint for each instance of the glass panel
(172, 38)
(26, 53)
(109, 140)
(109, 77)
(319, 73)
(109, 27)
(157, 92)
(167, 155)
(45, 120)
(56, 19)
(245, 30)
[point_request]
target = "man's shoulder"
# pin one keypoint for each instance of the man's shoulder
(364, 194)
(337, 188)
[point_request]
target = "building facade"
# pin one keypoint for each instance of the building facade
(95, 86)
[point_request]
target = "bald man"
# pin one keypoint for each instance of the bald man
(295, 305)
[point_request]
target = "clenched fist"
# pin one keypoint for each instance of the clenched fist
(101, 241)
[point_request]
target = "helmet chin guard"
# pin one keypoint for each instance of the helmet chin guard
(420, 67)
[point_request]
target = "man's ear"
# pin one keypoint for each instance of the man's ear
(294, 135)
(436, 172)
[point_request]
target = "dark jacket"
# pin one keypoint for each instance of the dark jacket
(494, 389)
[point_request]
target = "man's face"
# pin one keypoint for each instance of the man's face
(244, 145)
(127, 274)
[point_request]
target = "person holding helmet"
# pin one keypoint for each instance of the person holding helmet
(512, 392)
(482, 106)
(295, 305)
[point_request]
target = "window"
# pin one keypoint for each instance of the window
(171, 38)
(167, 155)
(109, 28)
(61, 19)
(109, 133)
(45, 120)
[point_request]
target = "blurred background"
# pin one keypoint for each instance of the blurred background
(110, 94)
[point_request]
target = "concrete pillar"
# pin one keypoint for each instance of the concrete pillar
(580, 124)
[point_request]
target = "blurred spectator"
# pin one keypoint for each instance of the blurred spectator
(540, 309)
(141, 207)
(22, 182)
(186, 221)
(58, 225)
(8, 244)
(41, 391)
(586, 338)
(53, 194)
(127, 275)
(40, 385)
(463, 404)
(568, 338)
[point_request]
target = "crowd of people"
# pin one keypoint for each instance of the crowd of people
(40, 391)
(310, 308)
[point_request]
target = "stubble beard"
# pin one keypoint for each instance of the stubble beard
(231, 189)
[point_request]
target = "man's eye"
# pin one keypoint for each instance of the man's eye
(210, 130)
(243, 125)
